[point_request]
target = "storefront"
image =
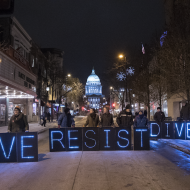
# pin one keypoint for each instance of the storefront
(17, 86)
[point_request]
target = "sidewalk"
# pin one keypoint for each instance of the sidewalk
(182, 145)
(34, 127)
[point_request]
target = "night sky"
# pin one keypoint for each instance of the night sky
(90, 32)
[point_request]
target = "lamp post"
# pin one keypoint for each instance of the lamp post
(68, 75)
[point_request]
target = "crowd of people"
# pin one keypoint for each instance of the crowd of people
(124, 119)
(18, 122)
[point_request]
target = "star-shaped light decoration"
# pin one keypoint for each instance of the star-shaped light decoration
(121, 76)
(130, 71)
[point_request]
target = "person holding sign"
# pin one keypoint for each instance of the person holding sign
(159, 116)
(125, 117)
(92, 119)
(66, 119)
(106, 118)
(141, 120)
(18, 122)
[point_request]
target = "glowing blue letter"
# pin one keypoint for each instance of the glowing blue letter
(123, 130)
(56, 139)
(179, 133)
(167, 130)
(188, 129)
(69, 138)
(141, 130)
(151, 130)
(7, 157)
(90, 138)
(22, 146)
(107, 139)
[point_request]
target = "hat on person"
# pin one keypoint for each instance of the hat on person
(66, 110)
(128, 106)
(140, 111)
(158, 108)
(17, 108)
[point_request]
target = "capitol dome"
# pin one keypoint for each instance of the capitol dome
(93, 78)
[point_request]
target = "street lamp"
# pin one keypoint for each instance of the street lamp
(69, 75)
(120, 56)
(111, 87)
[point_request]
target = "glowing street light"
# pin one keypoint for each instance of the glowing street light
(69, 75)
(120, 56)
(111, 87)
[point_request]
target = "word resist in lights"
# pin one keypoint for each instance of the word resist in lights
(52, 139)
(141, 130)
(22, 146)
(107, 139)
(123, 130)
(69, 138)
(151, 130)
(91, 139)
(179, 132)
(7, 157)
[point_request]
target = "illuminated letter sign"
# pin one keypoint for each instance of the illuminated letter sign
(188, 131)
(27, 147)
(90, 139)
(155, 130)
(74, 139)
(107, 138)
(167, 130)
(8, 147)
(57, 139)
(123, 139)
(141, 138)
(179, 131)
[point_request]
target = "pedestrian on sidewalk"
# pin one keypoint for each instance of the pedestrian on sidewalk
(18, 122)
(185, 111)
(125, 117)
(66, 119)
(44, 119)
(48, 116)
(106, 118)
(92, 119)
(141, 120)
(159, 116)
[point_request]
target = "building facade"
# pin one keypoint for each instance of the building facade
(93, 91)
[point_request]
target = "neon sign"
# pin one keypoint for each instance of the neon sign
(18, 147)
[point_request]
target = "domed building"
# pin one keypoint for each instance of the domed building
(93, 90)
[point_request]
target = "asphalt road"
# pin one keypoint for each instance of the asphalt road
(161, 168)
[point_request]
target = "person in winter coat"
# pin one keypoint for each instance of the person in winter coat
(44, 119)
(48, 116)
(92, 119)
(125, 117)
(159, 116)
(185, 111)
(145, 113)
(18, 122)
(66, 119)
(106, 118)
(141, 120)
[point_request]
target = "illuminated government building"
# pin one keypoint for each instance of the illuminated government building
(93, 91)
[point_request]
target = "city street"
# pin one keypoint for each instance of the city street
(161, 168)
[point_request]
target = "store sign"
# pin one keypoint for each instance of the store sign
(19, 147)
